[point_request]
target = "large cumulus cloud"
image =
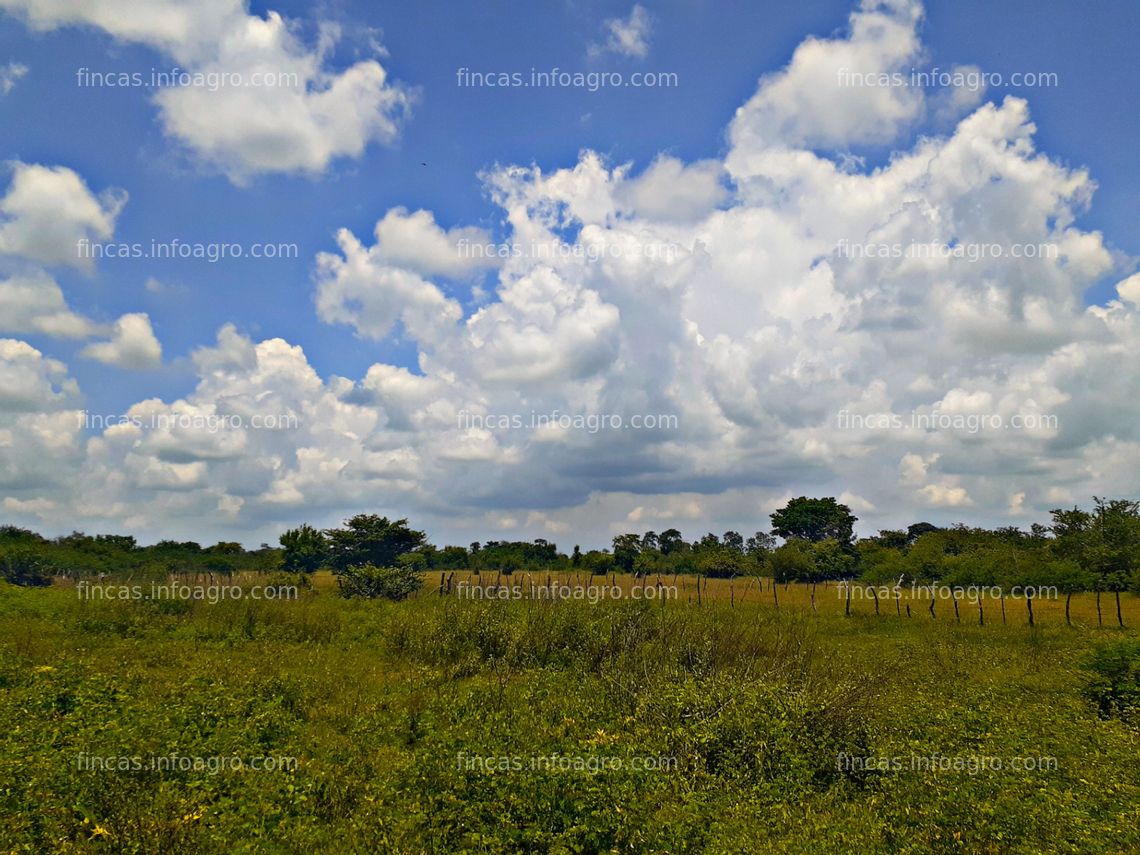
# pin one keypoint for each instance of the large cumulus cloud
(751, 326)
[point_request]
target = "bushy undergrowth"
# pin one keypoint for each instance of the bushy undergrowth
(371, 582)
(398, 715)
(1115, 684)
(23, 567)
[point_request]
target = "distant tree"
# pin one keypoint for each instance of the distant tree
(650, 540)
(452, 558)
(576, 558)
(760, 544)
(721, 562)
(709, 541)
(1067, 576)
(1113, 547)
(219, 566)
(917, 530)
(626, 549)
(121, 542)
(306, 549)
(792, 561)
(225, 548)
(814, 520)
(25, 565)
(670, 541)
(831, 560)
(187, 546)
(598, 562)
(732, 540)
(649, 562)
(880, 563)
(371, 539)
(15, 533)
(892, 539)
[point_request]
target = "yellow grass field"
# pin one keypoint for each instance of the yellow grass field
(828, 597)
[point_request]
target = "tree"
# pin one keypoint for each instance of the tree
(306, 549)
(223, 547)
(709, 541)
(649, 540)
(23, 565)
(649, 562)
(452, 558)
(814, 520)
(1105, 543)
(830, 560)
(880, 563)
(371, 539)
(792, 562)
(124, 543)
(599, 563)
(760, 544)
(732, 540)
(670, 541)
(1114, 551)
(892, 539)
(721, 562)
(626, 549)
(918, 529)
(576, 558)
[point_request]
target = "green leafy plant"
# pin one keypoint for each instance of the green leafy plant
(372, 582)
(21, 566)
(1115, 685)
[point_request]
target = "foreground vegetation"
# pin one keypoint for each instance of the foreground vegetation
(384, 704)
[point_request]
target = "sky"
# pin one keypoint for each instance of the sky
(570, 309)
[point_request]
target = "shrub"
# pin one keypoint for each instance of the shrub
(24, 567)
(367, 580)
(1115, 685)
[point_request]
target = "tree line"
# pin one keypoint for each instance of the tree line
(809, 540)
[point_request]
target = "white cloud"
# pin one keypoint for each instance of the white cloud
(671, 190)
(29, 381)
(821, 98)
(246, 127)
(945, 496)
(359, 287)
(627, 36)
(48, 210)
(414, 242)
(754, 336)
(1129, 289)
(34, 303)
(9, 75)
(132, 344)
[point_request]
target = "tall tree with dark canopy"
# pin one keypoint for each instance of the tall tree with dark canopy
(814, 520)
(371, 539)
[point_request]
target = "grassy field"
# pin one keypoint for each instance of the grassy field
(449, 724)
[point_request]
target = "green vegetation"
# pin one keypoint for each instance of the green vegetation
(367, 711)
(390, 583)
(392, 709)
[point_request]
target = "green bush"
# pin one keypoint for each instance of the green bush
(1115, 686)
(20, 566)
(390, 583)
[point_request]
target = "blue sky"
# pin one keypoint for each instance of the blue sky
(116, 138)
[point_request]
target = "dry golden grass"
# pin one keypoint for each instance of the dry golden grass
(828, 597)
